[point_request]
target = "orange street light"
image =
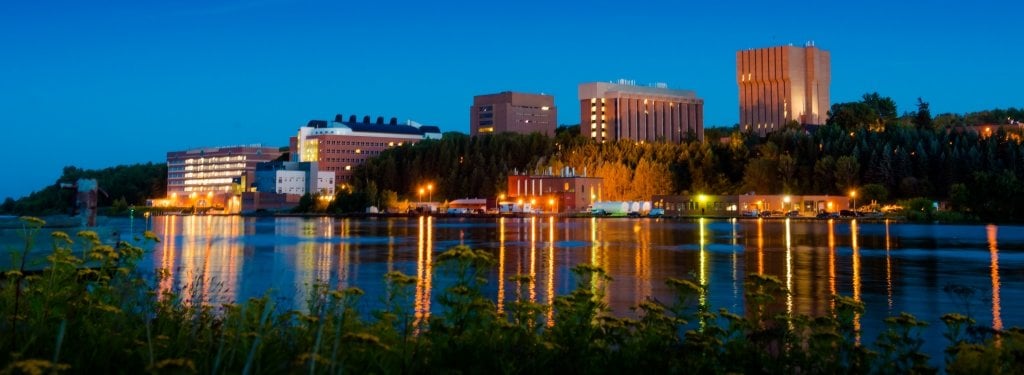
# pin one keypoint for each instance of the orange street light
(430, 192)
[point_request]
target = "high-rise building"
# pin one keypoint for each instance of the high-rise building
(783, 84)
(623, 110)
(513, 112)
(339, 146)
(213, 176)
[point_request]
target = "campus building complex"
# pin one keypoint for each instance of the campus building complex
(339, 146)
(513, 112)
(566, 192)
(623, 110)
(211, 177)
(778, 85)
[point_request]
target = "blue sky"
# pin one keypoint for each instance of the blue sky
(96, 84)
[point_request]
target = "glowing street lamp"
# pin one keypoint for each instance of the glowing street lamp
(853, 194)
(430, 192)
(551, 202)
(421, 194)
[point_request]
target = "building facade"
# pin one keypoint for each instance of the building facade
(339, 146)
(749, 204)
(513, 112)
(623, 110)
(211, 177)
(287, 177)
(566, 192)
(778, 85)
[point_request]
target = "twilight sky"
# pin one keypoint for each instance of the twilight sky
(100, 83)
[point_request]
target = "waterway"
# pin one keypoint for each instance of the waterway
(891, 267)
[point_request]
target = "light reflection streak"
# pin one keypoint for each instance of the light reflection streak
(888, 266)
(993, 249)
(551, 272)
(856, 274)
(832, 261)
(735, 267)
(501, 265)
(760, 246)
(703, 269)
(533, 259)
(168, 237)
(789, 268)
(424, 271)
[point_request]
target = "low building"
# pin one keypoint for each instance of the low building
(566, 192)
(289, 177)
(213, 177)
(341, 145)
(253, 201)
(749, 204)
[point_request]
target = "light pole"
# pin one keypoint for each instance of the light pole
(430, 192)
(421, 197)
(853, 194)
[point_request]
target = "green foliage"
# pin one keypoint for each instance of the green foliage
(131, 183)
(109, 318)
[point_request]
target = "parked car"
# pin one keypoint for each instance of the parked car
(656, 212)
(633, 214)
(749, 213)
(793, 213)
(770, 213)
(849, 213)
(828, 215)
(599, 212)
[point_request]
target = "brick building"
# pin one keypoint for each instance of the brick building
(513, 112)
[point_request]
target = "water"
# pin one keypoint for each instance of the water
(891, 267)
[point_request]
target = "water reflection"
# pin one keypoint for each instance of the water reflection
(891, 267)
(997, 320)
(424, 268)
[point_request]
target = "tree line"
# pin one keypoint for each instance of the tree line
(865, 146)
(124, 185)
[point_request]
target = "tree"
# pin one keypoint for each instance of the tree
(923, 116)
(884, 108)
(651, 178)
(847, 170)
(874, 192)
(7, 206)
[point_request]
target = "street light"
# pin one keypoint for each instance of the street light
(853, 194)
(430, 192)
(551, 202)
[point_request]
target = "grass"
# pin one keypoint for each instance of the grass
(110, 319)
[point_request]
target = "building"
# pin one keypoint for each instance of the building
(289, 177)
(783, 84)
(513, 112)
(623, 110)
(749, 204)
(339, 146)
(566, 192)
(215, 176)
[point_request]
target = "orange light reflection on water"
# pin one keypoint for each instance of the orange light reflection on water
(993, 250)
(856, 274)
(501, 265)
(424, 269)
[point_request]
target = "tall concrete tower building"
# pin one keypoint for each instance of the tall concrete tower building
(783, 84)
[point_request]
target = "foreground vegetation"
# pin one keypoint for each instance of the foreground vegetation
(110, 319)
